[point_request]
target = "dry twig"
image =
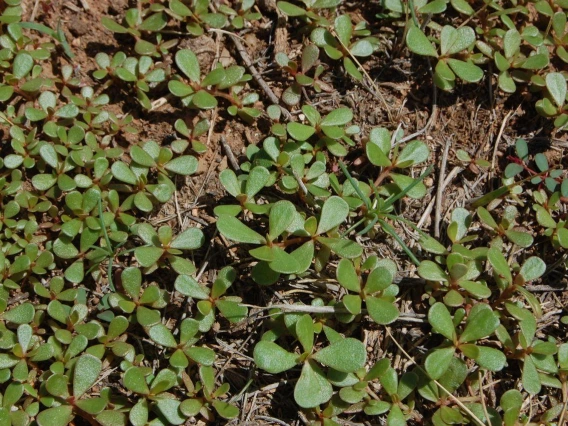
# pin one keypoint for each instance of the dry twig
(406, 316)
(160, 102)
(499, 135)
(440, 189)
(85, 5)
(230, 156)
(271, 419)
(255, 74)
(428, 210)
(34, 10)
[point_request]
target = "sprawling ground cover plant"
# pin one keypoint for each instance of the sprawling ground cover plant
(108, 317)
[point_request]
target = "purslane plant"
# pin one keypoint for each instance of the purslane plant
(225, 83)
(312, 389)
(288, 228)
(452, 42)
(92, 292)
(377, 293)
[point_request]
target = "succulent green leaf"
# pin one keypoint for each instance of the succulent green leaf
(532, 269)
(396, 416)
(86, 373)
(511, 43)
(351, 68)
(466, 70)
(300, 132)
(418, 43)
(138, 415)
(312, 388)
(169, 408)
(490, 358)
(273, 358)
(281, 216)
(374, 407)
(125, 75)
(22, 65)
(352, 303)
(431, 271)
(462, 6)
(134, 380)
(49, 155)
(21, 314)
(290, 9)
(381, 311)
(362, 48)
(225, 410)
(189, 64)
(160, 334)
(231, 310)
(346, 355)
(57, 385)
(204, 100)
(284, 262)
(376, 155)
(333, 213)
(111, 418)
(347, 276)
(112, 25)
(257, 179)
(441, 321)
(511, 399)
(55, 416)
(190, 407)
(556, 85)
(305, 332)
(123, 173)
(344, 28)
(201, 355)
(229, 180)
(233, 229)
(185, 165)
(530, 376)
(413, 153)
(499, 263)
(338, 117)
(189, 287)
(455, 40)
(42, 181)
(409, 186)
(476, 289)
(486, 217)
(148, 256)
(438, 362)
(190, 239)
(544, 348)
(378, 280)
(536, 62)
(481, 322)
(342, 247)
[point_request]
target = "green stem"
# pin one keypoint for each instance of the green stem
(393, 233)
(390, 201)
(413, 13)
(109, 245)
(352, 227)
(355, 185)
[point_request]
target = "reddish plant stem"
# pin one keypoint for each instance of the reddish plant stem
(226, 96)
(520, 162)
(386, 171)
(292, 241)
